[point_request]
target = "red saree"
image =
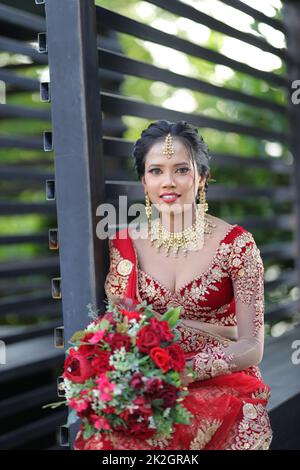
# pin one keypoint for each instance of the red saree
(229, 411)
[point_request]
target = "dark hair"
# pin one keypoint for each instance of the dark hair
(188, 135)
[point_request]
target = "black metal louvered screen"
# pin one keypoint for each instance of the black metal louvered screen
(86, 140)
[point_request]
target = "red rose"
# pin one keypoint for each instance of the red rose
(161, 358)
(147, 338)
(118, 340)
(101, 362)
(163, 328)
(85, 413)
(88, 351)
(86, 337)
(77, 367)
(137, 422)
(153, 385)
(109, 409)
(137, 380)
(131, 315)
(168, 394)
(177, 357)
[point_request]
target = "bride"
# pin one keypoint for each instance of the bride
(213, 270)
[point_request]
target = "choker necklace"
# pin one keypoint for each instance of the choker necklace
(192, 238)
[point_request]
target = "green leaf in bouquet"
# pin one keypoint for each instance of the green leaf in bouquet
(181, 414)
(77, 336)
(173, 378)
(55, 405)
(157, 403)
(93, 312)
(164, 426)
(104, 324)
(172, 316)
(144, 359)
(88, 430)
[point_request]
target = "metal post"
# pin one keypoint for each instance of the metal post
(77, 144)
(291, 18)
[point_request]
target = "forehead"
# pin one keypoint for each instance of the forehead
(155, 154)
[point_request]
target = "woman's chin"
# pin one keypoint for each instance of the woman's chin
(169, 208)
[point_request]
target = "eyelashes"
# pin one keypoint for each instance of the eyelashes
(153, 170)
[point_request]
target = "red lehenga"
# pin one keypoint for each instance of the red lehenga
(228, 405)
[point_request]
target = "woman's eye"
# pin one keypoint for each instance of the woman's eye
(181, 170)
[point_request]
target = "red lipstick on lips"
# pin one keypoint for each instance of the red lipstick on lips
(171, 197)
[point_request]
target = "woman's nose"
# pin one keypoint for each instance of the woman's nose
(169, 180)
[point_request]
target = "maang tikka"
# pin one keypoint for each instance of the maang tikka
(192, 236)
(168, 148)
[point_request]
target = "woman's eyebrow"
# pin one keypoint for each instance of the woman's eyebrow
(176, 164)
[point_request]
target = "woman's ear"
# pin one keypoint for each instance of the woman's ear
(202, 180)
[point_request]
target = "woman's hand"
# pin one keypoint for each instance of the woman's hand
(186, 375)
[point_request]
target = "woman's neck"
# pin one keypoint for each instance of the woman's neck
(177, 222)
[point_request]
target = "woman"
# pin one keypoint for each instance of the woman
(216, 277)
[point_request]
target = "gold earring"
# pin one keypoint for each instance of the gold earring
(148, 210)
(202, 199)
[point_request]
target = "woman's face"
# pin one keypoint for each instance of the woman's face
(171, 175)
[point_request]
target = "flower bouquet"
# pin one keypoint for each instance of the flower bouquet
(122, 373)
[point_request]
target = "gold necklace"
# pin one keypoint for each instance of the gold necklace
(191, 238)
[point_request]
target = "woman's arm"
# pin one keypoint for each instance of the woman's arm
(247, 274)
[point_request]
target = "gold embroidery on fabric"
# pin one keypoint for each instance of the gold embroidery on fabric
(254, 430)
(247, 273)
(204, 434)
(117, 278)
(262, 394)
(249, 411)
(124, 267)
(161, 442)
(161, 299)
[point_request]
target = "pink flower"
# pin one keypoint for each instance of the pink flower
(97, 337)
(79, 405)
(100, 422)
(105, 387)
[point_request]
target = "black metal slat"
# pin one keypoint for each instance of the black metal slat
(36, 238)
(256, 14)
(13, 111)
(134, 191)
(40, 356)
(22, 19)
(118, 62)
(25, 83)
(121, 148)
(13, 207)
(281, 311)
(188, 11)
(18, 47)
(117, 105)
(33, 431)
(26, 302)
(14, 334)
(126, 25)
(32, 266)
(35, 397)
